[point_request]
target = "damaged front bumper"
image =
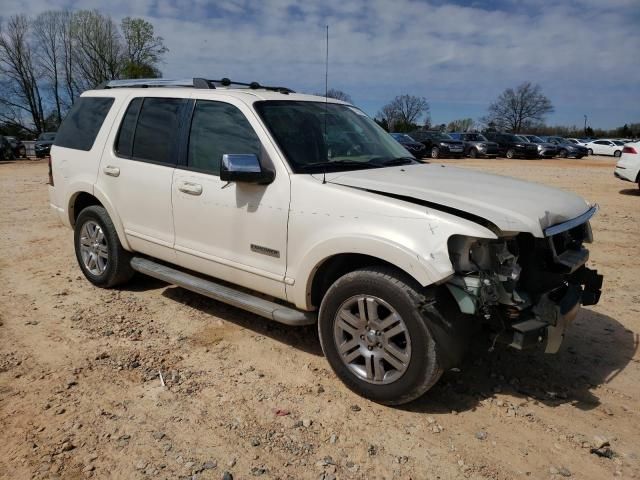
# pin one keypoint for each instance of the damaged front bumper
(549, 319)
(527, 290)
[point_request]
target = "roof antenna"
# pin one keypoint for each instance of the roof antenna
(326, 99)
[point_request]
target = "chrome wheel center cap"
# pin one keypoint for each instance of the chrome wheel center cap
(371, 337)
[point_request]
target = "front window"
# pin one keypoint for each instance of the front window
(326, 137)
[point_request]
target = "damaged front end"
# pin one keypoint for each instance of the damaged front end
(526, 289)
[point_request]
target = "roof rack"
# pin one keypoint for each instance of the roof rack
(200, 83)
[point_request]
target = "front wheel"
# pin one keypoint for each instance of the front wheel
(563, 154)
(589, 152)
(510, 153)
(376, 336)
(99, 252)
(435, 152)
(473, 153)
(617, 153)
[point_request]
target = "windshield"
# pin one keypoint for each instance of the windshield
(533, 138)
(47, 136)
(325, 137)
(474, 137)
(402, 137)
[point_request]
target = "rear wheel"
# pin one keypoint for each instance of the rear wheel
(99, 252)
(510, 153)
(435, 152)
(375, 330)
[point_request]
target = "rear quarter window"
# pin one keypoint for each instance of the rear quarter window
(83, 122)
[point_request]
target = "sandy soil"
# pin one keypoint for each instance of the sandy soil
(80, 394)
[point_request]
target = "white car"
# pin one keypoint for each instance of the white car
(302, 210)
(628, 167)
(605, 147)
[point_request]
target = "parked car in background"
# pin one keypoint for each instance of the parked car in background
(5, 149)
(512, 146)
(417, 149)
(17, 147)
(605, 147)
(628, 167)
(43, 144)
(545, 149)
(476, 145)
(566, 148)
(439, 144)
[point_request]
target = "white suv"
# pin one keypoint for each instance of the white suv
(302, 210)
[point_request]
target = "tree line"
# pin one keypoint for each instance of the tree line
(47, 61)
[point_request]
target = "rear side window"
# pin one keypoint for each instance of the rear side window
(150, 129)
(218, 128)
(83, 122)
(124, 143)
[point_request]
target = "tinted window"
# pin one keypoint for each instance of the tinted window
(218, 128)
(83, 122)
(124, 142)
(157, 130)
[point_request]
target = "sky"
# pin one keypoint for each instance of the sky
(459, 55)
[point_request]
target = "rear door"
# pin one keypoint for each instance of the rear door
(136, 173)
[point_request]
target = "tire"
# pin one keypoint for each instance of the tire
(589, 152)
(418, 364)
(510, 153)
(563, 154)
(617, 153)
(473, 153)
(435, 152)
(95, 237)
(23, 153)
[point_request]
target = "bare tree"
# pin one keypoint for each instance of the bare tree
(68, 57)
(461, 125)
(410, 108)
(404, 111)
(389, 115)
(98, 48)
(337, 94)
(47, 28)
(20, 93)
(143, 49)
(516, 109)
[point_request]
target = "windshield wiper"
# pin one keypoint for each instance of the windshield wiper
(337, 164)
(399, 161)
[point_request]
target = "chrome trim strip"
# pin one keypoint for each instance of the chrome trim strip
(569, 224)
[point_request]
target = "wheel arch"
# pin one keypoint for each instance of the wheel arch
(82, 199)
(327, 263)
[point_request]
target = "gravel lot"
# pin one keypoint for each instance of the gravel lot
(80, 394)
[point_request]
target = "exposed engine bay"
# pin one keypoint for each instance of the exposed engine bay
(526, 289)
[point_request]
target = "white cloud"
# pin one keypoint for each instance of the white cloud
(580, 52)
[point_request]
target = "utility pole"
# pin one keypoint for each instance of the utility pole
(585, 125)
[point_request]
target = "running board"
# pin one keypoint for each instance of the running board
(237, 298)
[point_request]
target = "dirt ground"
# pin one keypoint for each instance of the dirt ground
(80, 393)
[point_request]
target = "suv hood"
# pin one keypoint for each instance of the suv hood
(511, 205)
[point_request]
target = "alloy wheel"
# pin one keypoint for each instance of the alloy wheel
(93, 248)
(372, 339)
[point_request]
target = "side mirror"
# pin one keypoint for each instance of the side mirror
(244, 168)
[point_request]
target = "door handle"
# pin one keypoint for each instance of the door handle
(111, 171)
(190, 188)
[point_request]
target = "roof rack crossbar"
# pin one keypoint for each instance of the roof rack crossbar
(201, 83)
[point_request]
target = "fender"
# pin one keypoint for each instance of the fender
(424, 271)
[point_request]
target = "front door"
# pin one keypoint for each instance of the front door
(233, 231)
